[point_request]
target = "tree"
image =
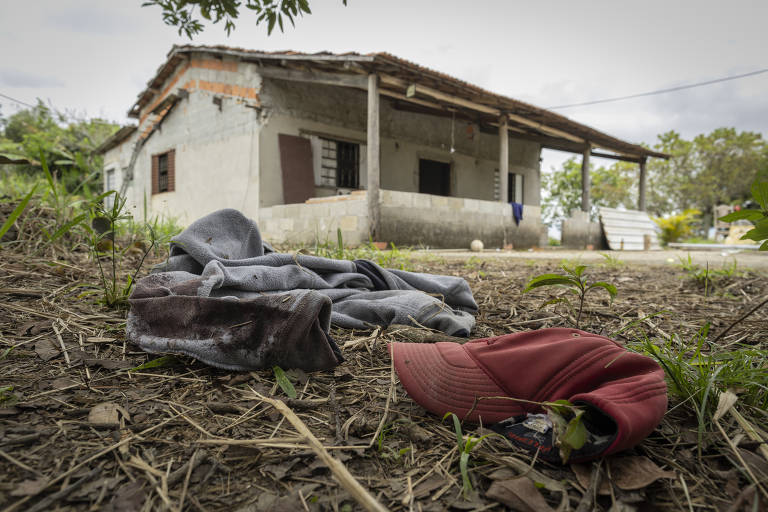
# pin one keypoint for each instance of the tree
(66, 141)
(181, 13)
(612, 187)
(711, 169)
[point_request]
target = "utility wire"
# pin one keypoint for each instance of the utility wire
(662, 91)
(17, 101)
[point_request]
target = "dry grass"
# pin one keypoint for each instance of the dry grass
(194, 438)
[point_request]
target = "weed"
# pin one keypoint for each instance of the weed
(465, 447)
(707, 277)
(697, 372)
(568, 425)
(285, 384)
(6, 394)
(575, 282)
(16, 212)
(392, 258)
(103, 245)
(611, 261)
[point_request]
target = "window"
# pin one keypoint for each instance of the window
(339, 164)
(164, 172)
(514, 187)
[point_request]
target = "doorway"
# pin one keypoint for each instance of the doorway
(434, 177)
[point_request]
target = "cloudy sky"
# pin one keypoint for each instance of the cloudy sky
(94, 57)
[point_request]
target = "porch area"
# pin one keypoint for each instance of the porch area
(406, 218)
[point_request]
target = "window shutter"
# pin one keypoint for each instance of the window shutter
(172, 170)
(155, 174)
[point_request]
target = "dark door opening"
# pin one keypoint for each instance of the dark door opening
(434, 177)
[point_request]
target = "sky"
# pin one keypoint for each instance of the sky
(93, 57)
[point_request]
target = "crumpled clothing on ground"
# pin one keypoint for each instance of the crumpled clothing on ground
(227, 298)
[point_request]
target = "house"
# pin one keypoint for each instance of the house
(374, 145)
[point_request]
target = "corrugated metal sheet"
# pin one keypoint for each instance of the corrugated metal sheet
(626, 229)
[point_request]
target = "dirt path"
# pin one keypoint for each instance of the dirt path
(717, 259)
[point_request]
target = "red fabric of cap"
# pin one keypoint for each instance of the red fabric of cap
(538, 366)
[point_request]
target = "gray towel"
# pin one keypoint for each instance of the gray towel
(220, 263)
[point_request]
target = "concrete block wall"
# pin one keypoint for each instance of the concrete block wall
(578, 232)
(317, 221)
(409, 218)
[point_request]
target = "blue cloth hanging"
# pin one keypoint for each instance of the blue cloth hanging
(517, 212)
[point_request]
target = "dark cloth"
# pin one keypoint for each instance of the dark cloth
(517, 212)
(221, 260)
(287, 330)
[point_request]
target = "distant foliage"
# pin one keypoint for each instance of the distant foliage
(677, 227)
(711, 169)
(66, 141)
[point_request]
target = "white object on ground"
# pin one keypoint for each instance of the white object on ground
(476, 246)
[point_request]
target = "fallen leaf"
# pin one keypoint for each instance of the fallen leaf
(518, 494)
(63, 382)
(726, 401)
(46, 350)
(627, 473)
(29, 487)
(128, 497)
(107, 414)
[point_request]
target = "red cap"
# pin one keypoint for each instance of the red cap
(538, 366)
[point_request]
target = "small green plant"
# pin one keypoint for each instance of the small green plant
(284, 382)
(677, 227)
(697, 371)
(103, 245)
(16, 212)
(465, 447)
(568, 425)
(759, 218)
(611, 261)
(706, 276)
(574, 280)
(392, 258)
(6, 394)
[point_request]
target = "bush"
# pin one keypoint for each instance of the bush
(677, 227)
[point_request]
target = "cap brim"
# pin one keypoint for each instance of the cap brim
(442, 378)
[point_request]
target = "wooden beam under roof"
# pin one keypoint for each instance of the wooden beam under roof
(455, 100)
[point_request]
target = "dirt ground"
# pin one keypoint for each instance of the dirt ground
(80, 430)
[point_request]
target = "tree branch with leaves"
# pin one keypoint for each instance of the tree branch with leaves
(189, 15)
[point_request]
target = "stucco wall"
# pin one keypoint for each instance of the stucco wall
(216, 152)
(228, 155)
(297, 108)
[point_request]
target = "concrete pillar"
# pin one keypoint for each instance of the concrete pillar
(503, 159)
(585, 180)
(641, 192)
(373, 163)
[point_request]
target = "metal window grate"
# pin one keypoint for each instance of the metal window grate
(162, 172)
(347, 165)
(340, 164)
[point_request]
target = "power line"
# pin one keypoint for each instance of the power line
(662, 91)
(17, 101)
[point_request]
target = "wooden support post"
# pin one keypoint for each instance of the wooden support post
(374, 209)
(641, 192)
(585, 180)
(503, 159)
